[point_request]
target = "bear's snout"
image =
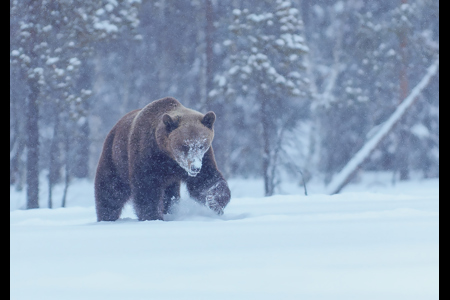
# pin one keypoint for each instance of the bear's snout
(192, 164)
(195, 169)
(189, 154)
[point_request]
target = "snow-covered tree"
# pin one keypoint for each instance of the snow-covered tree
(77, 66)
(50, 39)
(364, 62)
(267, 76)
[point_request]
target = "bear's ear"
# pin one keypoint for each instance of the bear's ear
(208, 119)
(170, 123)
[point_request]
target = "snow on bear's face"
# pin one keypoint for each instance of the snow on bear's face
(189, 140)
(190, 153)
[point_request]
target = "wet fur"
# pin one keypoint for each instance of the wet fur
(137, 163)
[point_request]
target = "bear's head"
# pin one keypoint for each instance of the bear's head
(187, 138)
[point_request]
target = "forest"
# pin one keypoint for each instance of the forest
(302, 89)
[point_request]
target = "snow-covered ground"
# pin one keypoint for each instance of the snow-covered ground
(372, 241)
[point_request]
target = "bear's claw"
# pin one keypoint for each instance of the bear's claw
(217, 197)
(213, 205)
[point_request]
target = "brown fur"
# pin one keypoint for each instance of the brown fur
(143, 159)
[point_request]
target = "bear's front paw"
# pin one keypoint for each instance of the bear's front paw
(214, 205)
(217, 197)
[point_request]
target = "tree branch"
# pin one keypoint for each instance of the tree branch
(344, 176)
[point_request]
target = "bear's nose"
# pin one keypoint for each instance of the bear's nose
(194, 169)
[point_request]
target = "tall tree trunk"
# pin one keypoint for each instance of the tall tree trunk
(402, 155)
(268, 181)
(17, 144)
(80, 167)
(32, 115)
(53, 169)
(209, 29)
(67, 147)
(32, 144)
(226, 144)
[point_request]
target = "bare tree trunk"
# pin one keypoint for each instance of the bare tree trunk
(209, 29)
(402, 155)
(226, 144)
(82, 137)
(66, 187)
(32, 115)
(67, 167)
(345, 175)
(53, 169)
(17, 145)
(268, 183)
(32, 144)
(16, 169)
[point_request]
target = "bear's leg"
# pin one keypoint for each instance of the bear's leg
(171, 197)
(148, 200)
(111, 194)
(214, 194)
(209, 187)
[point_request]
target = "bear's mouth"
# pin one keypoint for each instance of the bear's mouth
(192, 174)
(191, 167)
(194, 167)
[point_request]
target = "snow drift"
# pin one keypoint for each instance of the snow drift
(369, 242)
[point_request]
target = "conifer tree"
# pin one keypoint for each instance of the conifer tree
(50, 39)
(267, 72)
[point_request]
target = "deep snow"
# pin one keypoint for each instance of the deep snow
(372, 241)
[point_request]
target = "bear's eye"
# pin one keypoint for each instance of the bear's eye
(185, 148)
(201, 147)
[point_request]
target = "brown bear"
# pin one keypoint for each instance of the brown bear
(149, 152)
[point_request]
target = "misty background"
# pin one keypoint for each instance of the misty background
(298, 86)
